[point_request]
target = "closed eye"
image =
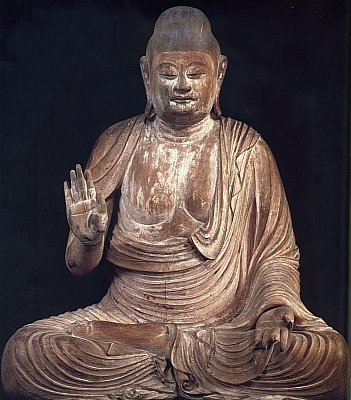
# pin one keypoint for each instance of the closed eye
(167, 71)
(195, 75)
(168, 76)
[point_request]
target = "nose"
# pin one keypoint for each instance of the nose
(182, 84)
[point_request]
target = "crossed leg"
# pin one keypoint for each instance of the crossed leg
(48, 360)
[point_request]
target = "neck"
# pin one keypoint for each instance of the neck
(183, 132)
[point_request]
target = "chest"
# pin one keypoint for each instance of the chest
(165, 176)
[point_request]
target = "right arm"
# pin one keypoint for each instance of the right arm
(88, 210)
(88, 216)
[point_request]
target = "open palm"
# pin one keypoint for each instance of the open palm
(86, 210)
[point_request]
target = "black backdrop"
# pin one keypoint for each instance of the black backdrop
(70, 69)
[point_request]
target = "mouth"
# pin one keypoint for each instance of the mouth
(183, 99)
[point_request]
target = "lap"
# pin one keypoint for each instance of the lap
(226, 361)
(48, 361)
(44, 360)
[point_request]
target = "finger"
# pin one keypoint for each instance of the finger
(81, 184)
(284, 339)
(74, 192)
(79, 171)
(90, 185)
(258, 337)
(68, 197)
(265, 338)
(289, 318)
(101, 204)
(275, 335)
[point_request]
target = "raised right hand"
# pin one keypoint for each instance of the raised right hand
(86, 210)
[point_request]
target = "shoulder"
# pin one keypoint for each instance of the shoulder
(116, 134)
(242, 140)
(110, 135)
(238, 136)
(244, 136)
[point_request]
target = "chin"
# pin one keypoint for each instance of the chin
(186, 118)
(183, 114)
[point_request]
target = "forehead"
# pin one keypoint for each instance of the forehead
(185, 58)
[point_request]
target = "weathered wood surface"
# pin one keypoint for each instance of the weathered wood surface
(190, 208)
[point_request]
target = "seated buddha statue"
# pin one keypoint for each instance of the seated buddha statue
(189, 207)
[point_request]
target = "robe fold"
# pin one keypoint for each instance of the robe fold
(252, 266)
(249, 265)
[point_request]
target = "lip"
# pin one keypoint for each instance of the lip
(183, 99)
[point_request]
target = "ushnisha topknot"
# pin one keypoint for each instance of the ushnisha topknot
(183, 29)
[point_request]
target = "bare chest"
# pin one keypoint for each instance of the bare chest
(165, 178)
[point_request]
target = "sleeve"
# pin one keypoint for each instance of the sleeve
(111, 154)
(272, 268)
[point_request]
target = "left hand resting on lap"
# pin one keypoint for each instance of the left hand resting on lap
(274, 326)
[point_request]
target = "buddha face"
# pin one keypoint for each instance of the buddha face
(182, 86)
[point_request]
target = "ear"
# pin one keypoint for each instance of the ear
(222, 67)
(145, 72)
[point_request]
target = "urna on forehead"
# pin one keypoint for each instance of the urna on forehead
(183, 29)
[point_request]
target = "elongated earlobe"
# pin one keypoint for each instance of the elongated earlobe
(222, 68)
(148, 111)
(216, 110)
(145, 72)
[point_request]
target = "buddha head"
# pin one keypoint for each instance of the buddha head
(183, 69)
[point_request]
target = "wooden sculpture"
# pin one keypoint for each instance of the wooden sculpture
(190, 207)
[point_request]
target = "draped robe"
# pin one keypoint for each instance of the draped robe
(250, 265)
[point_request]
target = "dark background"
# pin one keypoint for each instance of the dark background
(70, 69)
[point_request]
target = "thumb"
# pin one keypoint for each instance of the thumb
(101, 204)
(289, 317)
